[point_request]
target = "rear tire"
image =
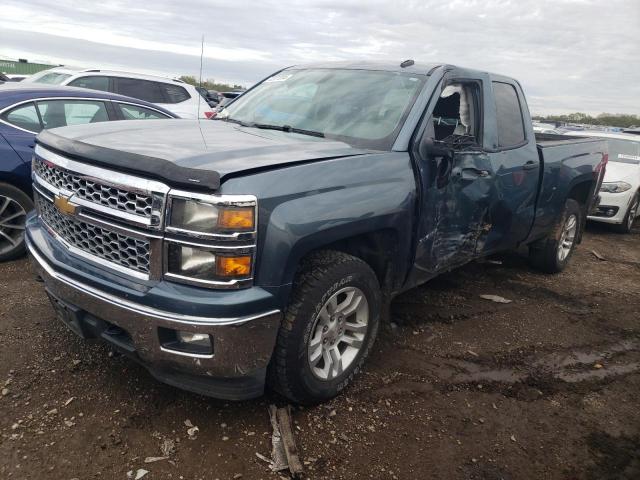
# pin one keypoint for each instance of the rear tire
(328, 329)
(14, 206)
(627, 224)
(552, 253)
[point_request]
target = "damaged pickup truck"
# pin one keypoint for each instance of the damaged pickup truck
(263, 247)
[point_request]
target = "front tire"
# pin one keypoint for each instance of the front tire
(328, 328)
(552, 253)
(627, 223)
(14, 206)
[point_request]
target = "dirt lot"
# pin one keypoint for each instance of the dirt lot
(547, 386)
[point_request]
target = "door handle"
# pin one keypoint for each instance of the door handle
(473, 173)
(530, 165)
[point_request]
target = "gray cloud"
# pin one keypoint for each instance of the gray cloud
(570, 55)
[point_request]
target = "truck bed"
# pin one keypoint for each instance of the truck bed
(552, 140)
(564, 158)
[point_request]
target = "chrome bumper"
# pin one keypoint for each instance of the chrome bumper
(242, 346)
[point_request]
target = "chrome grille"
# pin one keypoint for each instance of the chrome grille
(114, 247)
(95, 192)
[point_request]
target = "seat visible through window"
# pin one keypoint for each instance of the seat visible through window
(61, 113)
(454, 116)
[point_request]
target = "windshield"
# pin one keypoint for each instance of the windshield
(51, 78)
(361, 107)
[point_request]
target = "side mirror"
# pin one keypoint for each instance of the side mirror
(430, 148)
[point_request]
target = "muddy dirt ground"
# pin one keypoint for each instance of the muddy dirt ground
(458, 387)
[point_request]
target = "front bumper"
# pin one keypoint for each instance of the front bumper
(618, 202)
(242, 345)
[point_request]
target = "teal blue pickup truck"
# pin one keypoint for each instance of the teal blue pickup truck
(263, 247)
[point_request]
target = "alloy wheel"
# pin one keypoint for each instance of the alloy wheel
(568, 237)
(338, 333)
(12, 220)
(633, 211)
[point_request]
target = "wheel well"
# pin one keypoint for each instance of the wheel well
(377, 249)
(580, 192)
(15, 183)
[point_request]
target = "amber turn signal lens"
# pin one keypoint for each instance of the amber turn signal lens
(233, 266)
(236, 218)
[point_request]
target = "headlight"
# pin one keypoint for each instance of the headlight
(201, 263)
(210, 239)
(615, 187)
(203, 217)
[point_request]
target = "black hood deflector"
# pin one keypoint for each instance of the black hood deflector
(153, 167)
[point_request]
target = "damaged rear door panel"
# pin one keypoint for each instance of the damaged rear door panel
(480, 173)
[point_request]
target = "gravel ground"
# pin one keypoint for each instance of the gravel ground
(458, 387)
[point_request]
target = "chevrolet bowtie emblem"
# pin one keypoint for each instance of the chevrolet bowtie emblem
(65, 205)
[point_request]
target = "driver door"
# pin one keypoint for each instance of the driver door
(456, 175)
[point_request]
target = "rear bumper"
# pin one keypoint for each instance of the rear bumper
(242, 345)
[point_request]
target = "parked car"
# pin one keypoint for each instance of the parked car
(174, 95)
(545, 128)
(225, 99)
(17, 78)
(211, 98)
(620, 191)
(26, 110)
(271, 240)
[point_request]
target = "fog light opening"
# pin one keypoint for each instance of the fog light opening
(186, 343)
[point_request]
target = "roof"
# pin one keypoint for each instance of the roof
(13, 92)
(416, 68)
(114, 73)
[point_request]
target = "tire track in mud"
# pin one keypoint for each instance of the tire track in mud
(587, 368)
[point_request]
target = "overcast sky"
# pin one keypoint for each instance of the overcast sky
(570, 55)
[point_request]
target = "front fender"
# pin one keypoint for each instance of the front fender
(306, 224)
(305, 207)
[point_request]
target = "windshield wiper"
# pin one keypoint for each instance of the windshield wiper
(281, 128)
(233, 120)
(288, 128)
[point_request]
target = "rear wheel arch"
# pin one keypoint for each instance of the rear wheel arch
(581, 192)
(545, 253)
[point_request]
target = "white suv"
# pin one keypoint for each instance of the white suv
(174, 95)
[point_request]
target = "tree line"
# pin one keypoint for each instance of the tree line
(210, 84)
(607, 119)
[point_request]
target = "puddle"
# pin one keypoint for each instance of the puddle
(609, 371)
(558, 360)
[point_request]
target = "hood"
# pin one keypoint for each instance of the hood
(187, 152)
(622, 172)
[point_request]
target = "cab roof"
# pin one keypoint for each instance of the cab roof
(417, 68)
